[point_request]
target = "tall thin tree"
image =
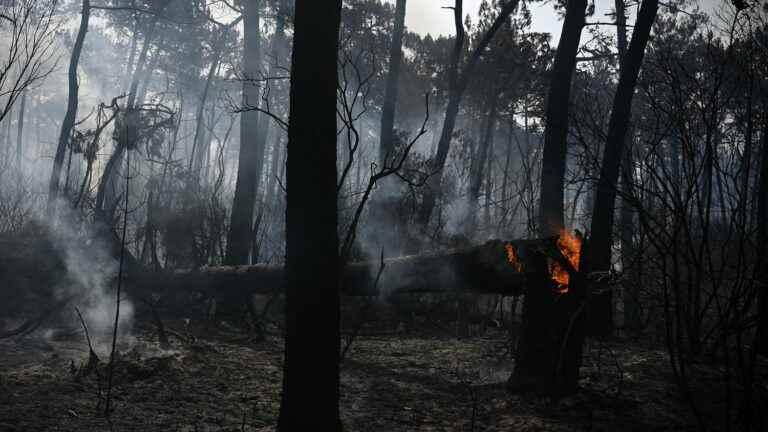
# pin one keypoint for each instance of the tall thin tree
(251, 158)
(393, 75)
(597, 257)
(71, 114)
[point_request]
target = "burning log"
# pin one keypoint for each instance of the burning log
(31, 265)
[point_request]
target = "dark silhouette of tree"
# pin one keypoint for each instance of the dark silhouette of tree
(384, 204)
(251, 160)
(311, 369)
(69, 118)
(632, 318)
(551, 219)
(597, 256)
(547, 359)
(393, 75)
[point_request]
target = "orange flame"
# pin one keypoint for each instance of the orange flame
(570, 247)
(512, 258)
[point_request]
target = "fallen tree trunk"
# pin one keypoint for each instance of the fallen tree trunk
(35, 265)
(483, 269)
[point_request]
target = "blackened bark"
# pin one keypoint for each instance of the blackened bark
(632, 319)
(549, 352)
(621, 29)
(310, 399)
(457, 83)
(551, 213)
(481, 269)
(71, 114)
(251, 159)
(390, 96)
(597, 259)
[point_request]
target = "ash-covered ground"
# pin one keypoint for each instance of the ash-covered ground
(220, 380)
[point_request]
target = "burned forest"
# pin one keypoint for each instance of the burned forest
(383, 215)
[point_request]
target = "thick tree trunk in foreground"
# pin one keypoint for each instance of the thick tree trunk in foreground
(548, 360)
(310, 398)
(551, 212)
(71, 114)
(597, 258)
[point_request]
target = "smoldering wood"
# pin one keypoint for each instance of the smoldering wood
(32, 267)
(480, 269)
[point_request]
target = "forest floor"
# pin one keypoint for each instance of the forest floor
(223, 382)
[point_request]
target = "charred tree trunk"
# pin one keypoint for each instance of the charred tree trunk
(482, 269)
(310, 398)
(632, 318)
(390, 96)
(551, 211)
(457, 83)
(548, 360)
(597, 259)
(383, 206)
(251, 158)
(71, 114)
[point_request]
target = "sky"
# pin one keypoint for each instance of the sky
(426, 16)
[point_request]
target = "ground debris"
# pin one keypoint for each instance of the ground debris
(389, 383)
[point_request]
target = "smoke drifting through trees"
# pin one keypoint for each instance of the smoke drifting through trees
(656, 111)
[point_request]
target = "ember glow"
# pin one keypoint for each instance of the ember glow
(512, 258)
(570, 247)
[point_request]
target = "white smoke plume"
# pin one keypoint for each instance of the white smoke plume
(91, 278)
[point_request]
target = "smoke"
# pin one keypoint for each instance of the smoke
(91, 278)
